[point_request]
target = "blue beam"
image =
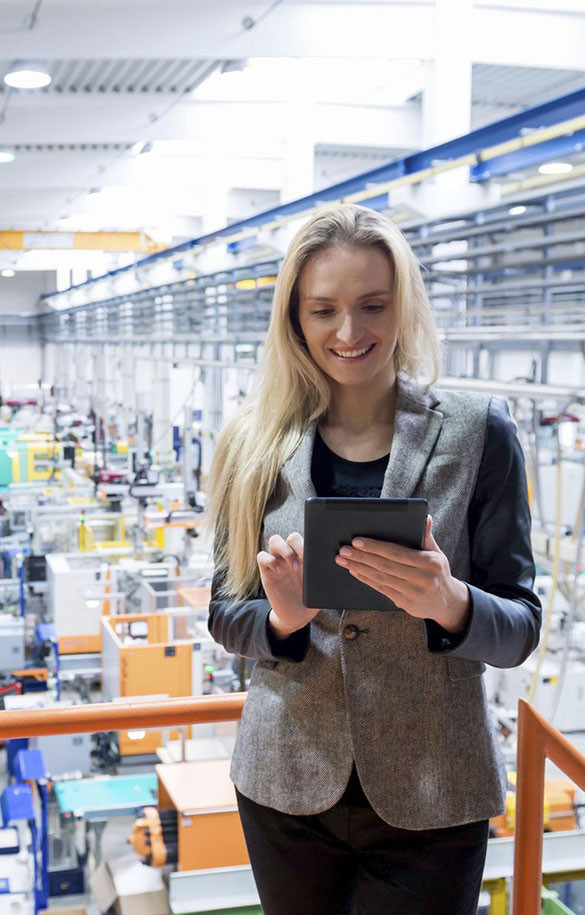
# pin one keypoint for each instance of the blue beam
(552, 112)
(529, 156)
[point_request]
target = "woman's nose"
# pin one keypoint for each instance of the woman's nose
(349, 330)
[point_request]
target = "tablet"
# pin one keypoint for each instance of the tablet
(331, 523)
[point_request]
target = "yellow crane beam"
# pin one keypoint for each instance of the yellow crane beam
(78, 241)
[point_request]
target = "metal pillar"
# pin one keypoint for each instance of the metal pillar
(162, 426)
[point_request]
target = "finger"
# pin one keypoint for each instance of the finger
(371, 563)
(378, 580)
(430, 542)
(394, 594)
(392, 551)
(269, 563)
(296, 543)
(279, 547)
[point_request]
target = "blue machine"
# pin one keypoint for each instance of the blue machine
(47, 643)
(17, 804)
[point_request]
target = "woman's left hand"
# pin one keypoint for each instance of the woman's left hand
(417, 581)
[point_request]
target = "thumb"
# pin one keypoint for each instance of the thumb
(430, 542)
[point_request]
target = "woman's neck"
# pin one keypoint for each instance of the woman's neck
(354, 412)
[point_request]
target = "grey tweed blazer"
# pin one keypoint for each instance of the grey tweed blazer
(414, 717)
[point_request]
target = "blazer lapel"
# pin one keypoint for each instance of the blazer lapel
(297, 470)
(416, 429)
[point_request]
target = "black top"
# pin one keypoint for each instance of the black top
(333, 475)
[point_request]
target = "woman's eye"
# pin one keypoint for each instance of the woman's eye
(374, 307)
(323, 312)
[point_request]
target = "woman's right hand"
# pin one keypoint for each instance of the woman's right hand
(281, 570)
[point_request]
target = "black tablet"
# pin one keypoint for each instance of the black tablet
(331, 523)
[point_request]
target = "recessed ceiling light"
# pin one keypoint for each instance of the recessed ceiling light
(517, 211)
(8, 273)
(27, 75)
(555, 168)
(6, 155)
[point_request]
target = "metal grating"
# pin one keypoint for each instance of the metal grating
(69, 147)
(521, 87)
(493, 280)
(138, 76)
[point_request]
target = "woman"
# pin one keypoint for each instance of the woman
(366, 767)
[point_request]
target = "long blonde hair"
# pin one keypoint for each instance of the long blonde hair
(290, 390)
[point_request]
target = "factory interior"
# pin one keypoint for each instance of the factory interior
(156, 159)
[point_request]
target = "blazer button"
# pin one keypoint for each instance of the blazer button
(351, 632)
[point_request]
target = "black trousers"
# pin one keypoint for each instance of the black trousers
(348, 861)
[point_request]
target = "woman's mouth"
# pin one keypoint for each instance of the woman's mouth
(354, 355)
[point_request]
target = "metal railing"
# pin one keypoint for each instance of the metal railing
(537, 741)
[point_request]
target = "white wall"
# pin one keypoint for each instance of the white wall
(21, 292)
(563, 367)
(20, 364)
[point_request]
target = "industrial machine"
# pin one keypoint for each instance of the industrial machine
(26, 803)
(147, 654)
(559, 808)
(76, 617)
(196, 824)
(63, 754)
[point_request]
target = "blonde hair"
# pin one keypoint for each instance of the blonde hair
(290, 390)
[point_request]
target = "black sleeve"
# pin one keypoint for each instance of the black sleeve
(505, 614)
(242, 628)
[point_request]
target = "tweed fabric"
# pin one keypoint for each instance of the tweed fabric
(416, 722)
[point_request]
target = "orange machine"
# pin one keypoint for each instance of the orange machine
(140, 659)
(154, 654)
(196, 824)
(559, 808)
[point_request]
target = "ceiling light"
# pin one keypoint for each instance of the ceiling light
(517, 211)
(8, 273)
(6, 155)
(555, 168)
(27, 75)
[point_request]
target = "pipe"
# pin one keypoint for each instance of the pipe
(542, 648)
(111, 716)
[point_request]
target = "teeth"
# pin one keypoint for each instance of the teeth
(351, 354)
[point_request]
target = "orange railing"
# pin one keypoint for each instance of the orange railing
(537, 740)
(112, 716)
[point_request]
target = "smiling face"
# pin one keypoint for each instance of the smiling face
(346, 314)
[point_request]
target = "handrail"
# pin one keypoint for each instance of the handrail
(537, 740)
(111, 716)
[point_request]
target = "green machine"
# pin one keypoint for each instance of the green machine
(8, 438)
